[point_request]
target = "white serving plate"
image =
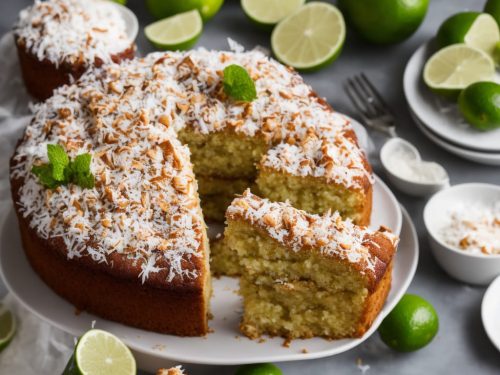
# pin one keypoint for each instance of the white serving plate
(131, 21)
(224, 346)
(439, 115)
(490, 311)
(488, 158)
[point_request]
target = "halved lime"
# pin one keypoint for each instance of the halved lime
(310, 38)
(167, 8)
(7, 326)
(475, 29)
(267, 13)
(178, 32)
(455, 67)
(99, 352)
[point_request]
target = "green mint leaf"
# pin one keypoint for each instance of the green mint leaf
(85, 181)
(82, 163)
(79, 173)
(238, 84)
(62, 171)
(45, 175)
(59, 161)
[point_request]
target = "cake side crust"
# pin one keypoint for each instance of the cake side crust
(127, 301)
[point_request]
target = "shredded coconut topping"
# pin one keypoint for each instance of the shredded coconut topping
(72, 30)
(298, 230)
(474, 228)
(145, 201)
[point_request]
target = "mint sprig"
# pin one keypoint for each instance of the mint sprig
(238, 84)
(62, 171)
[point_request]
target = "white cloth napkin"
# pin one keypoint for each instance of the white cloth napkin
(37, 348)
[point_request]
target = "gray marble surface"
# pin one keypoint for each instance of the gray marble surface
(461, 346)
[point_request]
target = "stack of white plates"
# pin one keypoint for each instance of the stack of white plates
(440, 120)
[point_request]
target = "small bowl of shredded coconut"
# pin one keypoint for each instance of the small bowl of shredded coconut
(463, 223)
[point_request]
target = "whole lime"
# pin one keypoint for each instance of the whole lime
(411, 325)
(384, 21)
(167, 8)
(259, 369)
(493, 7)
(479, 103)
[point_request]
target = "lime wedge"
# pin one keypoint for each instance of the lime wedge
(455, 67)
(100, 352)
(7, 326)
(472, 28)
(483, 34)
(178, 32)
(310, 38)
(267, 13)
(496, 53)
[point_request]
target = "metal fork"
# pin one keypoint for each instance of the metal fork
(371, 106)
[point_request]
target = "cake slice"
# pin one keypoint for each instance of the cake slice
(314, 174)
(307, 275)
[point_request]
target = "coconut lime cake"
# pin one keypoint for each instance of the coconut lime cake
(136, 235)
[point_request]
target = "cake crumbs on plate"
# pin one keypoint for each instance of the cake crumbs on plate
(159, 347)
(304, 351)
(286, 343)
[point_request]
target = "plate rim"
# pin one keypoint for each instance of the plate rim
(495, 284)
(488, 158)
(292, 356)
(408, 79)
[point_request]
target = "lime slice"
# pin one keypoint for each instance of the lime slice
(472, 28)
(7, 326)
(267, 13)
(310, 38)
(178, 32)
(455, 67)
(100, 352)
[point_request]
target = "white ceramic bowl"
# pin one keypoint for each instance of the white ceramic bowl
(415, 188)
(478, 269)
(131, 22)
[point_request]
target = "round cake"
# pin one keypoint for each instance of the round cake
(58, 40)
(133, 247)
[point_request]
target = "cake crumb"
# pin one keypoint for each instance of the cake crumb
(304, 351)
(210, 316)
(211, 330)
(286, 343)
(362, 367)
(261, 340)
(159, 347)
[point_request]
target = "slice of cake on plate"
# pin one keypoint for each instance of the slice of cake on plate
(58, 40)
(307, 275)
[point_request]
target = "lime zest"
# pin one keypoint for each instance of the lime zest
(238, 84)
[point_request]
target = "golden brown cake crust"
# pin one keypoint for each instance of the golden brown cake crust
(375, 301)
(42, 77)
(180, 311)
